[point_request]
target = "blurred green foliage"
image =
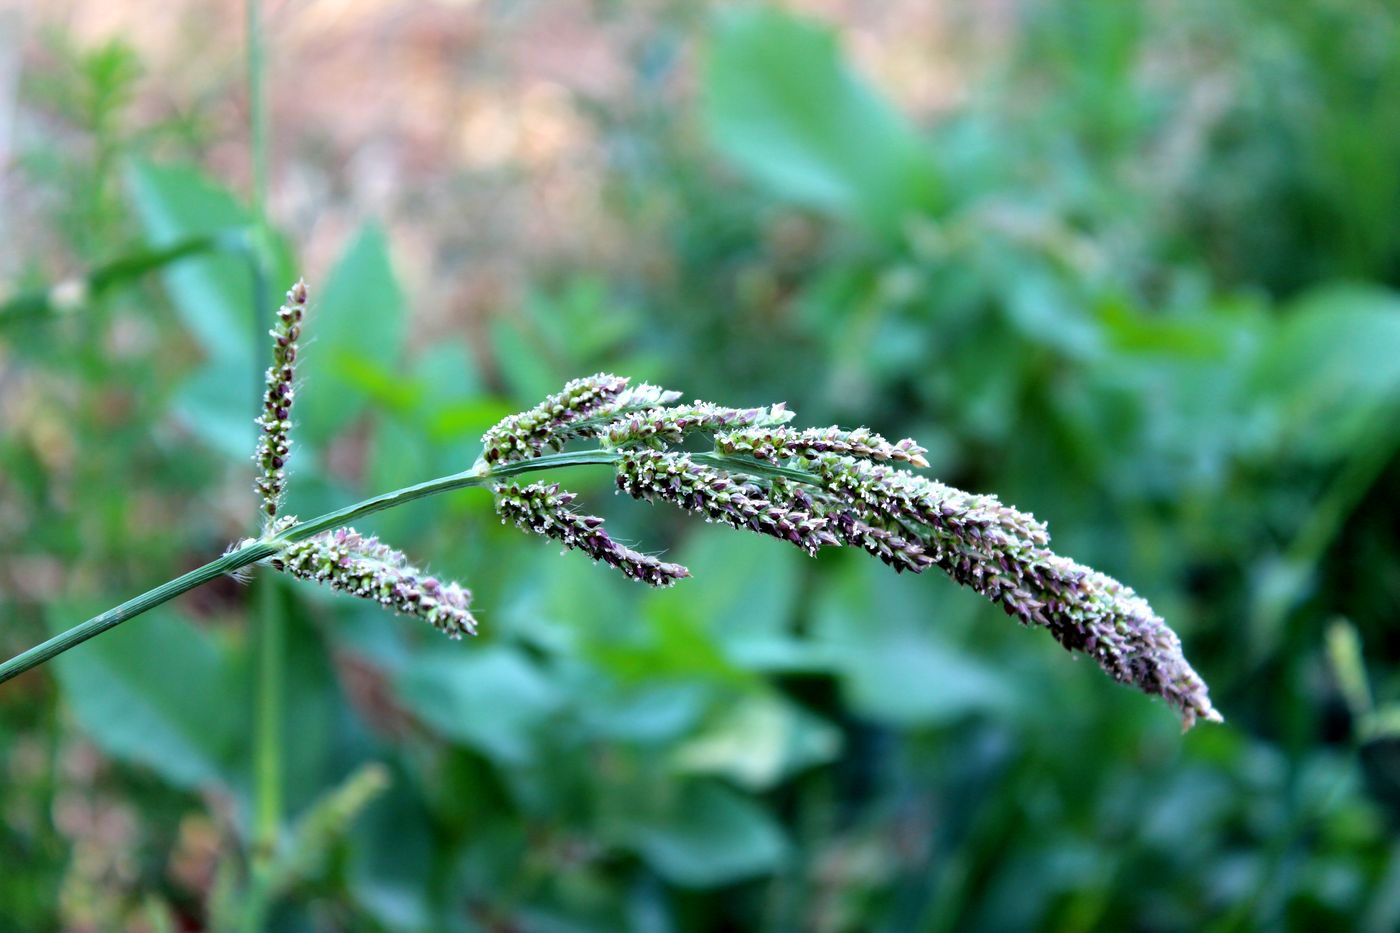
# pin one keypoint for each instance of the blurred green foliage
(1141, 283)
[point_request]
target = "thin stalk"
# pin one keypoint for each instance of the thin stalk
(257, 109)
(84, 288)
(267, 749)
(255, 551)
(270, 666)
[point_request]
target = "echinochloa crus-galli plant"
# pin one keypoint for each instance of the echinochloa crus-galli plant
(814, 488)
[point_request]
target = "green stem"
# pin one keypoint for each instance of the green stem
(100, 279)
(255, 551)
(269, 637)
(257, 110)
(267, 750)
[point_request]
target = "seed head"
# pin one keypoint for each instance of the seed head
(659, 426)
(785, 443)
(347, 561)
(544, 509)
(730, 499)
(274, 441)
(1004, 555)
(574, 412)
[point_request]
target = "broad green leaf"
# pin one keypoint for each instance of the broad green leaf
(528, 372)
(1334, 362)
(780, 101)
(218, 407)
(156, 691)
(400, 456)
(390, 855)
(490, 698)
(758, 741)
(899, 662)
(213, 293)
(744, 589)
(355, 327)
(709, 836)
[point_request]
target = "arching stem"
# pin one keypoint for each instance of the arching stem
(255, 551)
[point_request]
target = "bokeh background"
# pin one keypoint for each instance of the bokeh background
(1131, 266)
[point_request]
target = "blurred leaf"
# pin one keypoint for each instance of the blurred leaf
(783, 105)
(354, 328)
(1333, 362)
(155, 692)
(326, 822)
(708, 837)
(213, 294)
(912, 679)
(1348, 666)
(898, 662)
(215, 407)
(400, 457)
(390, 856)
(744, 590)
(1041, 307)
(489, 698)
(759, 741)
(528, 371)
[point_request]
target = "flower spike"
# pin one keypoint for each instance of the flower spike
(347, 561)
(543, 509)
(275, 442)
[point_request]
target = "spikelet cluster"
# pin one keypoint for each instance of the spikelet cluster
(275, 442)
(719, 497)
(342, 559)
(1004, 555)
(577, 411)
(813, 488)
(543, 508)
(785, 443)
(656, 427)
(856, 526)
(348, 562)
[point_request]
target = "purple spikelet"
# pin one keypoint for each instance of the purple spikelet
(576, 411)
(785, 443)
(543, 508)
(1004, 555)
(719, 496)
(347, 561)
(657, 427)
(275, 443)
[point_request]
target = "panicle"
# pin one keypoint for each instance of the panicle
(577, 411)
(656, 427)
(347, 561)
(786, 443)
(1094, 613)
(543, 508)
(642, 395)
(274, 442)
(856, 526)
(530, 433)
(722, 497)
(1004, 555)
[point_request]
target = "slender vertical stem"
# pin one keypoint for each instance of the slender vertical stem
(269, 727)
(257, 109)
(267, 750)
(267, 700)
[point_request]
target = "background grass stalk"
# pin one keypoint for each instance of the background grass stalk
(268, 686)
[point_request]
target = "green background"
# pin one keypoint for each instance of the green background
(1175, 338)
